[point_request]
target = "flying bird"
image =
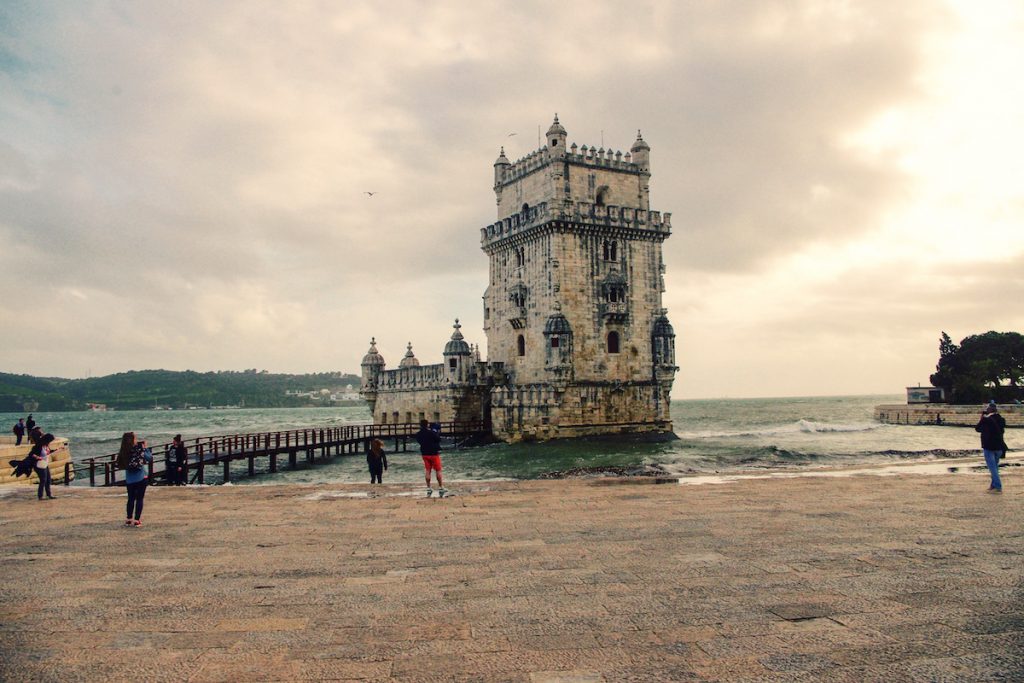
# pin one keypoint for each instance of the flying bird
(510, 135)
(369, 194)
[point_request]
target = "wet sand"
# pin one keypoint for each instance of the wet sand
(907, 576)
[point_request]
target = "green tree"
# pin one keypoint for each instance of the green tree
(983, 366)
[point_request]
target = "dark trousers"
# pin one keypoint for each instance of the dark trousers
(136, 493)
(174, 477)
(44, 481)
(17, 439)
(375, 475)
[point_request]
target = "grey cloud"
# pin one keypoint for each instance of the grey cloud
(219, 146)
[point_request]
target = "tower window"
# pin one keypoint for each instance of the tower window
(554, 143)
(610, 250)
(520, 256)
(521, 345)
(602, 196)
(452, 363)
(613, 342)
(554, 342)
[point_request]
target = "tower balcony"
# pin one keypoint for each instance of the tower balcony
(517, 317)
(614, 312)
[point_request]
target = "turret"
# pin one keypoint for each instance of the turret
(501, 165)
(457, 355)
(558, 344)
(372, 365)
(556, 139)
(641, 153)
(663, 343)
(409, 361)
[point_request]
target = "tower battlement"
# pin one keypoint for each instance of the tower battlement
(583, 156)
(584, 213)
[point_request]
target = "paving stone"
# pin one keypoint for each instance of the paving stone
(859, 579)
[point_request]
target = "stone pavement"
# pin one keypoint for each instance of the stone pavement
(866, 578)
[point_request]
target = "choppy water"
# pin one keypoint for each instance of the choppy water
(714, 436)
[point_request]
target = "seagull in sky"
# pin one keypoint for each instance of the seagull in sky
(510, 135)
(369, 194)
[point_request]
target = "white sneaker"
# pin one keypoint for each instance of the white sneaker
(430, 492)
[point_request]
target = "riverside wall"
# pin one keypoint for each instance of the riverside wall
(943, 414)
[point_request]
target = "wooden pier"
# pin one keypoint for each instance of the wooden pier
(311, 445)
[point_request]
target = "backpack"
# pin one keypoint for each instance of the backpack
(136, 460)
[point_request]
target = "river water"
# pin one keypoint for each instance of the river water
(719, 435)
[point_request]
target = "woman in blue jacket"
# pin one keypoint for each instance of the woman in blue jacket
(134, 457)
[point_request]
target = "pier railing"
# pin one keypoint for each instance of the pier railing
(206, 452)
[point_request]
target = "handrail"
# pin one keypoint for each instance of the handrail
(269, 443)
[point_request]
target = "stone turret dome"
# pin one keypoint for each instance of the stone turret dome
(556, 128)
(457, 346)
(557, 324)
(372, 356)
(409, 361)
(639, 144)
(662, 327)
(502, 160)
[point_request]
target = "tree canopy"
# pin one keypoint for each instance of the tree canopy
(983, 366)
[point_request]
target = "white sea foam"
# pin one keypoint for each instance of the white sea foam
(804, 426)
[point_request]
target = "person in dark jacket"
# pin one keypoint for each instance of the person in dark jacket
(41, 453)
(19, 431)
(992, 426)
(177, 462)
(430, 448)
(377, 461)
(30, 423)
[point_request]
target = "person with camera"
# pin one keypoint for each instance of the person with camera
(992, 426)
(134, 458)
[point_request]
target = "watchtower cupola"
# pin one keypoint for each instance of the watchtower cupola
(501, 166)
(556, 136)
(641, 153)
(457, 354)
(410, 360)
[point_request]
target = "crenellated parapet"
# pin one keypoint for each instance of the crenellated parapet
(583, 156)
(581, 213)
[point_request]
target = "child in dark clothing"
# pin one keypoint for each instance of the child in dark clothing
(377, 461)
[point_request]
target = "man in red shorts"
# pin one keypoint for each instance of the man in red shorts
(430, 449)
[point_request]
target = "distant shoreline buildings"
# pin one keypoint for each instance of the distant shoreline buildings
(578, 343)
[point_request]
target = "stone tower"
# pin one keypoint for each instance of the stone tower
(573, 306)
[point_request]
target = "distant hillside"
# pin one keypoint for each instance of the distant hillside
(149, 388)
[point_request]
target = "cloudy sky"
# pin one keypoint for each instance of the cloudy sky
(182, 184)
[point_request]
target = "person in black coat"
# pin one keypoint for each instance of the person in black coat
(377, 461)
(992, 426)
(177, 462)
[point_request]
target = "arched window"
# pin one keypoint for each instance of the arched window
(521, 345)
(610, 250)
(520, 256)
(602, 196)
(526, 208)
(613, 342)
(554, 342)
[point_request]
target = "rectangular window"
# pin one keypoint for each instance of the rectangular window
(437, 417)
(554, 342)
(383, 418)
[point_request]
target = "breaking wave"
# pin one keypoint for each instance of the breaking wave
(804, 426)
